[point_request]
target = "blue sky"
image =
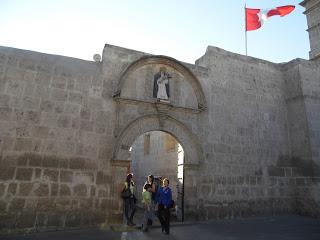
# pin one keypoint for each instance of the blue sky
(181, 29)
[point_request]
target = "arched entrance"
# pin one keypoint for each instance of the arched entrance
(157, 122)
(159, 154)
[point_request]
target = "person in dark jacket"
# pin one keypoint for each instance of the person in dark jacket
(130, 201)
(164, 202)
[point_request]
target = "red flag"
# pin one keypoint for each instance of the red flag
(256, 17)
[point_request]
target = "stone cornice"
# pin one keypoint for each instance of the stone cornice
(158, 105)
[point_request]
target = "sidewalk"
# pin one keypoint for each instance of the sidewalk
(254, 228)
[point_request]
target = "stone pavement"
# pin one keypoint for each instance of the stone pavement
(257, 228)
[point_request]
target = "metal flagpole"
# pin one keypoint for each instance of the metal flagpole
(245, 26)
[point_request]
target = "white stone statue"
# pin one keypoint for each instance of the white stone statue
(161, 84)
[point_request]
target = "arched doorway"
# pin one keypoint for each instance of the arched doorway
(159, 154)
(192, 156)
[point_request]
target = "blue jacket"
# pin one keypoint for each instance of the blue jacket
(164, 196)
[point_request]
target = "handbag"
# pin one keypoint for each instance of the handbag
(126, 193)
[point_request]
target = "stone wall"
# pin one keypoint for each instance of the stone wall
(252, 144)
(249, 129)
(55, 137)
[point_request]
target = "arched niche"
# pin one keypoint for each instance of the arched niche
(190, 85)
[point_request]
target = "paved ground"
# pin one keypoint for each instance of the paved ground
(262, 228)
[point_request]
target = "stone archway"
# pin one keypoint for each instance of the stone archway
(165, 123)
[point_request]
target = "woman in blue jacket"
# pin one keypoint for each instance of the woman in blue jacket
(164, 202)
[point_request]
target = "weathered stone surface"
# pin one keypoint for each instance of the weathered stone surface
(6, 172)
(40, 132)
(64, 121)
(3, 206)
(5, 113)
(66, 176)
(23, 144)
(54, 189)
(65, 190)
(47, 105)
(12, 189)
(80, 190)
(25, 189)
(2, 189)
(50, 161)
(77, 163)
(75, 97)
(41, 190)
(17, 204)
(26, 219)
(103, 178)
(51, 175)
(58, 94)
(24, 174)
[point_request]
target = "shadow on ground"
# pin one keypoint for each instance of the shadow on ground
(255, 228)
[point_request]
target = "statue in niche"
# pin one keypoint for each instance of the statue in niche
(161, 84)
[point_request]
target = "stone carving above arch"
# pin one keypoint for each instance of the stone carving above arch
(189, 142)
(138, 82)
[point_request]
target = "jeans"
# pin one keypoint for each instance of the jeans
(164, 218)
(129, 209)
(147, 215)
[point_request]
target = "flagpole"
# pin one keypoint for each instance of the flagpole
(245, 27)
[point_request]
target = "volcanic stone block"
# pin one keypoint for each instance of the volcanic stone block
(66, 176)
(54, 189)
(25, 189)
(23, 144)
(58, 94)
(12, 189)
(46, 105)
(24, 174)
(35, 160)
(50, 161)
(80, 190)
(41, 190)
(276, 171)
(64, 121)
(5, 113)
(103, 178)
(52, 175)
(2, 189)
(32, 117)
(26, 219)
(6, 172)
(3, 206)
(75, 97)
(77, 163)
(17, 204)
(65, 190)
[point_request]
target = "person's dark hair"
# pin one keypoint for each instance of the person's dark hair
(129, 177)
(152, 178)
(146, 186)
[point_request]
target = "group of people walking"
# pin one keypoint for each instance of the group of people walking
(156, 200)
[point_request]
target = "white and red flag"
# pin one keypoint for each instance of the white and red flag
(256, 17)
